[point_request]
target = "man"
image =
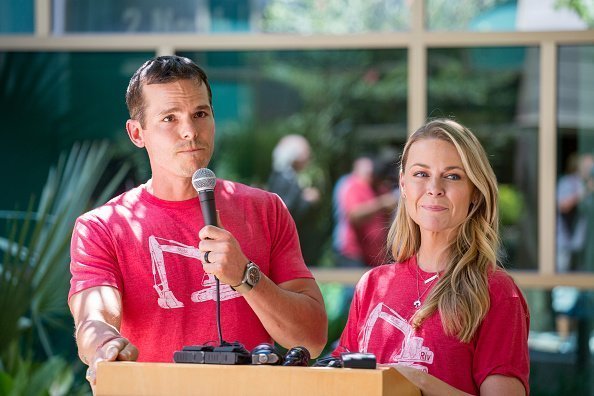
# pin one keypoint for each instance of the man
(363, 205)
(290, 159)
(291, 156)
(143, 265)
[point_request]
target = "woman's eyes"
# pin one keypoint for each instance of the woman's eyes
(449, 176)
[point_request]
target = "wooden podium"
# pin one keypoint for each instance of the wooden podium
(131, 378)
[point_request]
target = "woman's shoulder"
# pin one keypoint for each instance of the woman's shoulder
(385, 271)
(502, 285)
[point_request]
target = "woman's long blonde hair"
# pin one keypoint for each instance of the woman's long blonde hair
(462, 294)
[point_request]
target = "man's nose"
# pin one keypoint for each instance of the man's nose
(188, 128)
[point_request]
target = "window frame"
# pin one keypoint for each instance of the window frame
(417, 41)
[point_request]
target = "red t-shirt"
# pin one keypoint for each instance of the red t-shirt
(147, 249)
(379, 323)
(367, 241)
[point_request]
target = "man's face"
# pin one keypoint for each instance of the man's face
(179, 129)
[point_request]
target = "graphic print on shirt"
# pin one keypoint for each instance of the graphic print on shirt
(167, 299)
(410, 352)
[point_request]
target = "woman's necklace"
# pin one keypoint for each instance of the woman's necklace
(417, 302)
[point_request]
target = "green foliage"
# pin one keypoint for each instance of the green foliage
(335, 95)
(30, 378)
(457, 15)
(584, 9)
(34, 275)
(337, 299)
(510, 204)
(335, 17)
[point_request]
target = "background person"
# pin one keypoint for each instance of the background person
(292, 182)
(363, 202)
(572, 307)
(444, 314)
(573, 191)
(141, 284)
(290, 157)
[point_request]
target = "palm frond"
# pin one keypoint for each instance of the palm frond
(34, 272)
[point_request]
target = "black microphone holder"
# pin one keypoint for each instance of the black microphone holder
(228, 353)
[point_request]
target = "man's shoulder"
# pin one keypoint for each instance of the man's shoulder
(236, 190)
(111, 207)
(354, 187)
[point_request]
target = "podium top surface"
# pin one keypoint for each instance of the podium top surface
(132, 378)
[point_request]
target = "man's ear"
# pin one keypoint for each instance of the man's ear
(135, 132)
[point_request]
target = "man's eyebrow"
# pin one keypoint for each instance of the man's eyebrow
(176, 109)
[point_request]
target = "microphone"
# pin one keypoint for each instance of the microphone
(204, 181)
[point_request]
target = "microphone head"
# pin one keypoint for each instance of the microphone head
(204, 179)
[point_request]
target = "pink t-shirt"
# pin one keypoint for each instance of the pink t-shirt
(367, 241)
(147, 249)
(379, 323)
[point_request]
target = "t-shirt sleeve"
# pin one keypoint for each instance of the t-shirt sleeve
(502, 339)
(286, 259)
(93, 257)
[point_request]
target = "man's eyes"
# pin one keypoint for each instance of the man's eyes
(198, 114)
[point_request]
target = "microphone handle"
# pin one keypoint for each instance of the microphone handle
(208, 207)
(209, 212)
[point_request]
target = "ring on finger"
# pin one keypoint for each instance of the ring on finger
(206, 257)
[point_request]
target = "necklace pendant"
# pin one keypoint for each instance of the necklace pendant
(417, 304)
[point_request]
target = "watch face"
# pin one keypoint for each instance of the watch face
(253, 275)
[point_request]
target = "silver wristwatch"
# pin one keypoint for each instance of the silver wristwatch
(251, 277)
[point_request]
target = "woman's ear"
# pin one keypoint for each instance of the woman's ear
(476, 197)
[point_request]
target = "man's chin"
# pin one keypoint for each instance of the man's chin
(188, 171)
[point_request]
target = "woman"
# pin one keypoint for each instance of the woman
(444, 314)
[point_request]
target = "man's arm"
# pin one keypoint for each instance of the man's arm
(293, 312)
(97, 317)
(365, 210)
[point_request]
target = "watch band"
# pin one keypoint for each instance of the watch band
(251, 277)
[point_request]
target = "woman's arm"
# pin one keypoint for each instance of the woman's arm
(492, 385)
(502, 385)
(428, 384)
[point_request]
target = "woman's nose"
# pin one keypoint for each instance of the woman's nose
(435, 187)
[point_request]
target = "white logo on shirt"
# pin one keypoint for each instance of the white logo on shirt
(167, 299)
(411, 351)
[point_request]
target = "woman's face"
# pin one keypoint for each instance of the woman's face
(435, 186)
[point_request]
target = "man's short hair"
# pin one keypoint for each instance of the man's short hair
(161, 70)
